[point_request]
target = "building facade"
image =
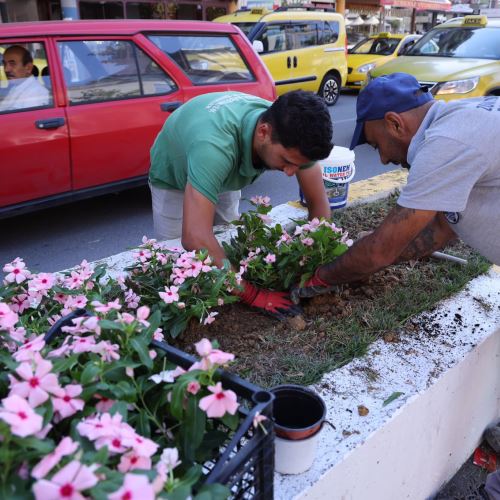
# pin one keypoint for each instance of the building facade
(47, 10)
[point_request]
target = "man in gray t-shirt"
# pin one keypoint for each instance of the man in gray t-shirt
(453, 187)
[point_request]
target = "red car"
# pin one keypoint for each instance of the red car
(82, 101)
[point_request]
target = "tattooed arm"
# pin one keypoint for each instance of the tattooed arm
(435, 236)
(391, 242)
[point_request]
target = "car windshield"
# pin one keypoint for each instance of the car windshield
(377, 46)
(245, 27)
(477, 43)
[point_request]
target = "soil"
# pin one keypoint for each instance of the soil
(299, 350)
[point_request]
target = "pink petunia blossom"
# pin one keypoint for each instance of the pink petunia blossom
(203, 347)
(265, 218)
(37, 384)
(131, 460)
(8, 318)
(68, 404)
(66, 447)
(131, 299)
(107, 350)
(261, 200)
(219, 403)
(210, 356)
(158, 335)
(68, 483)
(19, 303)
(170, 294)
(258, 419)
(308, 242)
(22, 419)
(17, 271)
(135, 487)
(143, 255)
(104, 404)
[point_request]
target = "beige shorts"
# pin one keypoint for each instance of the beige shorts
(167, 210)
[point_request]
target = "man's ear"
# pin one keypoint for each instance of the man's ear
(263, 130)
(394, 124)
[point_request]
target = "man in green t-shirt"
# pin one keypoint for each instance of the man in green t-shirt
(217, 143)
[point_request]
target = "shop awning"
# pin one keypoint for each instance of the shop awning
(441, 5)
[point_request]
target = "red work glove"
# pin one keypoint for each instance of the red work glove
(312, 287)
(276, 303)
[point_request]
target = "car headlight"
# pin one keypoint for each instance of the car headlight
(458, 86)
(366, 67)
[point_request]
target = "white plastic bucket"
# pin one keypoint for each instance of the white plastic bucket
(295, 457)
(338, 171)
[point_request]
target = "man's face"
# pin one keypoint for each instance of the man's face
(13, 65)
(274, 156)
(391, 148)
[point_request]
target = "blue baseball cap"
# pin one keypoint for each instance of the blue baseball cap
(396, 92)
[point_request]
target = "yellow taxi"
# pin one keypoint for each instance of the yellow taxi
(245, 18)
(304, 50)
(372, 52)
(457, 59)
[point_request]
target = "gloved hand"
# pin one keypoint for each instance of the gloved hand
(312, 287)
(278, 304)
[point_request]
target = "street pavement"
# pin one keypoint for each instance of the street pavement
(61, 237)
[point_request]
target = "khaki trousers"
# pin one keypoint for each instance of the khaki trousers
(167, 210)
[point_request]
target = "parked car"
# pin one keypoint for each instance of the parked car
(372, 52)
(353, 38)
(111, 86)
(454, 60)
(244, 18)
(304, 50)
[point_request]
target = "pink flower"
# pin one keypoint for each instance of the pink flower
(20, 416)
(8, 318)
(143, 255)
(193, 387)
(308, 242)
(75, 280)
(210, 318)
(265, 218)
(19, 303)
(41, 282)
(219, 403)
(66, 447)
(67, 404)
(203, 347)
(132, 460)
(170, 294)
(170, 458)
(115, 304)
(261, 200)
(36, 385)
(107, 350)
(258, 419)
(16, 270)
(27, 351)
(143, 315)
(135, 487)
(158, 335)
(104, 403)
(67, 484)
(270, 258)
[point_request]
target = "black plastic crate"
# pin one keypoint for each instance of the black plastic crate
(246, 461)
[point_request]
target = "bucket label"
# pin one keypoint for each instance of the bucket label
(338, 173)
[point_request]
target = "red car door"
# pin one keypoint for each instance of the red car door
(34, 143)
(118, 100)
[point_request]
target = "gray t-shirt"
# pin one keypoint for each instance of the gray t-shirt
(455, 168)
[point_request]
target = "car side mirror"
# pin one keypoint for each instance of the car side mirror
(258, 46)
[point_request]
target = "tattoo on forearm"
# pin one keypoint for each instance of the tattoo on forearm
(424, 244)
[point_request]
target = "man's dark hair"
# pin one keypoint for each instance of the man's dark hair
(301, 120)
(27, 57)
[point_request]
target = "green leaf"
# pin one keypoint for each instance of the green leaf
(111, 325)
(213, 492)
(141, 347)
(178, 395)
(392, 397)
(64, 364)
(44, 447)
(89, 373)
(231, 421)
(191, 476)
(193, 428)
(180, 493)
(120, 407)
(143, 427)
(177, 326)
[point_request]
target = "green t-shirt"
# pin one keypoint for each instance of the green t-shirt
(208, 143)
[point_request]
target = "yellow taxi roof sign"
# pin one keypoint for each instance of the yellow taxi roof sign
(475, 21)
(259, 10)
(383, 35)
